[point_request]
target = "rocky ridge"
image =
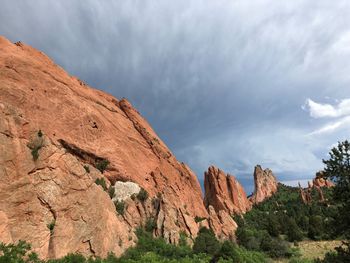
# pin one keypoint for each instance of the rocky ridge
(58, 136)
(317, 183)
(265, 184)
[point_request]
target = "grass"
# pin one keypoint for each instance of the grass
(313, 249)
(317, 249)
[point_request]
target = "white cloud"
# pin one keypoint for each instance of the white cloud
(333, 126)
(319, 110)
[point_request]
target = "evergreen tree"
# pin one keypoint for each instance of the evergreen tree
(206, 242)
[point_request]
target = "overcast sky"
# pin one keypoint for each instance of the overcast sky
(229, 83)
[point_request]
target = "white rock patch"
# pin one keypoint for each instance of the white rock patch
(124, 190)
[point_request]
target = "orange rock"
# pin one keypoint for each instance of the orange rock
(224, 192)
(321, 181)
(222, 224)
(265, 184)
(82, 127)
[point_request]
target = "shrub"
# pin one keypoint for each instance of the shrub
(101, 182)
(111, 192)
(198, 219)
(17, 253)
(293, 232)
(230, 252)
(150, 225)
(35, 153)
(102, 165)
(35, 145)
(119, 207)
(206, 242)
(51, 226)
(142, 195)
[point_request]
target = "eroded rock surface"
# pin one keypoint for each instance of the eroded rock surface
(82, 127)
(224, 192)
(53, 190)
(265, 184)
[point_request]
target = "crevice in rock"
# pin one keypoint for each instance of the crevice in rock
(12, 68)
(93, 252)
(84, 156)
(54, 78)
(185, 222)
(53, 213)
(229, 188)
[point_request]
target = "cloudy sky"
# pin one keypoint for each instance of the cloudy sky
(229, 83)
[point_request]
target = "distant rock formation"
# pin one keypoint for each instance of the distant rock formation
(317, 183)
(321, 181)
(265, 184)
(224, 192)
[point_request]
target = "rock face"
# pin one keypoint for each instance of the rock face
(265, 184)
(59, 139)
(124, 190)
(224, 192)
(321, 181)
(317, 183)
(53, 190)
(54, 132)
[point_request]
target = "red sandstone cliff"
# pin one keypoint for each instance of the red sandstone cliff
(71, 129)
(81, 127)
(224, 192)
(265, 184)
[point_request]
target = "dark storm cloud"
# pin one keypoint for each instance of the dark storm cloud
(222, 82)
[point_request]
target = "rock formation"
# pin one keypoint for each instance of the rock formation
(317, 183)
(321, 181)
(57, 136)
(265, 184)
(60, 139)
(224, 192)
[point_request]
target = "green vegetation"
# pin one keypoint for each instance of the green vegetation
(51, 226)
(198, 219)
(150, 250)
(338, 169)
(111, 191)
(284, 218)
(36, 144)
(101, 182)
(150, 225)
(102, 165)
(206, 242)
(142, 195)
(119, 207)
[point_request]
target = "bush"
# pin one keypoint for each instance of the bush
(102, 165)
(101, 182)
(51, 226)
(17, 253)
(119, 207)
(198, 219)
(36, 144)
(150, 225)
(111, 192)
(294, 233)
(206, 242)
(142, 195)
